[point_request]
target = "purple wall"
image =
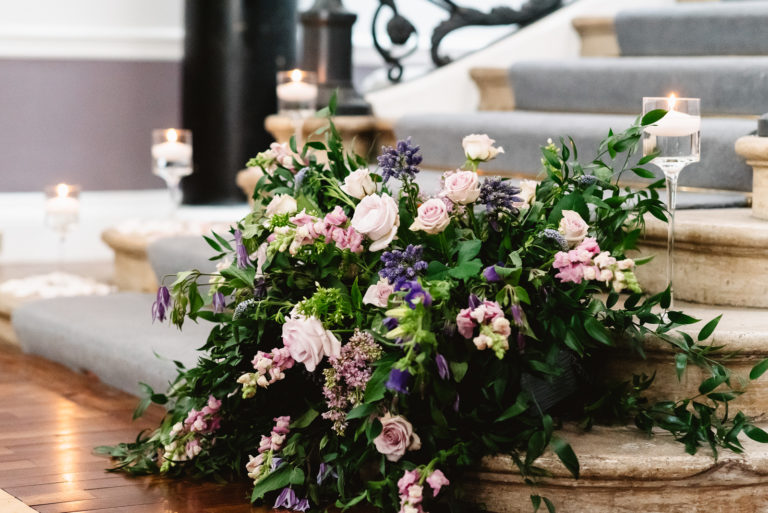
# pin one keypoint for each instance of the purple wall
(83, 121)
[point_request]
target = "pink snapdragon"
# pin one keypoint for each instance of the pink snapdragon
(494, 328)
(270, 368)
(265, 462)
(334, 228)
(190, 437)
(411, 489)
(587, 262)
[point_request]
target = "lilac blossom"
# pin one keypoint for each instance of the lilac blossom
(161, 305)
(401, 161)
(398, 381)
(400, 265)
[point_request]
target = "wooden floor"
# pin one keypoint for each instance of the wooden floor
(51, 418)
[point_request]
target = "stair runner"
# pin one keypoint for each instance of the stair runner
(585, 97)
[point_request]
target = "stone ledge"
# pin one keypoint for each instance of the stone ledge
(624, 471)
(598, 36)
(495, 91)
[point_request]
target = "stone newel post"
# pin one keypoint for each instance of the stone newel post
(754, 148)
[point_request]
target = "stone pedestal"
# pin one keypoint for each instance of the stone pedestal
(598, 36)
(755, 150)
(132, 269)
(362, 134)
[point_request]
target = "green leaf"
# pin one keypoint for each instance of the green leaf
(521, 404)
(280, 478)
(243, 277)
(466, 270)
(652, 117)
(550, 506)
(710, 384)
(469, 249)
(707, 330)
(681, 361)
(597, 331)
(305, 420)
(536, 502)
(681, 318)
(356, 295)
(565, 452)
(755, 433)
(458, 370)
(360, 411)
(643, 173)
(759, 369)
(212, 243)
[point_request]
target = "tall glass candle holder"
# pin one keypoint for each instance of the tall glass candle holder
(297, 97)
(62, 211)
(676, 141)
(172, 159)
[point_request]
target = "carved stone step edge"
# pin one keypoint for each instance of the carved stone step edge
(721, 257)
(624, 471)
(598, 36)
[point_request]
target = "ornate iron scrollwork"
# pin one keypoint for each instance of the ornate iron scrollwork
(399, 30)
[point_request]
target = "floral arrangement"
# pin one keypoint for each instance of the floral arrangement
(371, 343)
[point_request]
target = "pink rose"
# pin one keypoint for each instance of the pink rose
(378, 218)
(462, 187)
(464, 323)
(480, 147)
(437, 480)
(432, 217)
(378, 294)
(308, 341)
(573, 227)
(396, 437)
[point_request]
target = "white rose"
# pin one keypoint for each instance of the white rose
(377, 218)
(480, 147)
(527, 193)
(359, 184)
(432, 217)
(462, 187)
(378, 294)
(281, 204)
(573, 228)
(308, 341)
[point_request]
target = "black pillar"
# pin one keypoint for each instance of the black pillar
(327, 34)
(232, 51)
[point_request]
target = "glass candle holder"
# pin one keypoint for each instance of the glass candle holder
(62, 211)
(172, 159)
(675, 140)
(297, 97)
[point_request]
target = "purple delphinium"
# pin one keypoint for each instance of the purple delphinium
(400, 161)
(243, 260)
(161, 305)
(499, 198)
(557, 237)
(286, 499)
(218, 303)
(402, 264)
(390, 323)
(442, 366)
(415, 291)
(398, 381)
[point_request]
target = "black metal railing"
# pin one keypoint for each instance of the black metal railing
(403, 36)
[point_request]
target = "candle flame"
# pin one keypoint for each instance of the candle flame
(171, 135)
(296, 75)
(672, 101)
(62, 190)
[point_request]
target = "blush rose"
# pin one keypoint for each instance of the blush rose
(396, 437)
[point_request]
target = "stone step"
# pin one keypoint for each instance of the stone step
(726, 85)
(741, 330)
(522, 133)
(727, 28)
(721, 257)
(624, 471)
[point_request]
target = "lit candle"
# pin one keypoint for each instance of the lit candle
(171, 150)
(62, 204)
(675, 123)
(297, 90)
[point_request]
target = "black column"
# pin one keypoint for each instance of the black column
(232, 51)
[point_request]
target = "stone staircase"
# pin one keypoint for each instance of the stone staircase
(712, 50)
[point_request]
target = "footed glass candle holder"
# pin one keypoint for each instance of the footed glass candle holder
(676, 141)
(172, 159)
(62, 211)
(297, 97)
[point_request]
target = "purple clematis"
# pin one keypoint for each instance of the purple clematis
(286, 499)
(415, 291)
(442, 366)
(218, 304)
(398, 381)
(161, 305)
(243, 260)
